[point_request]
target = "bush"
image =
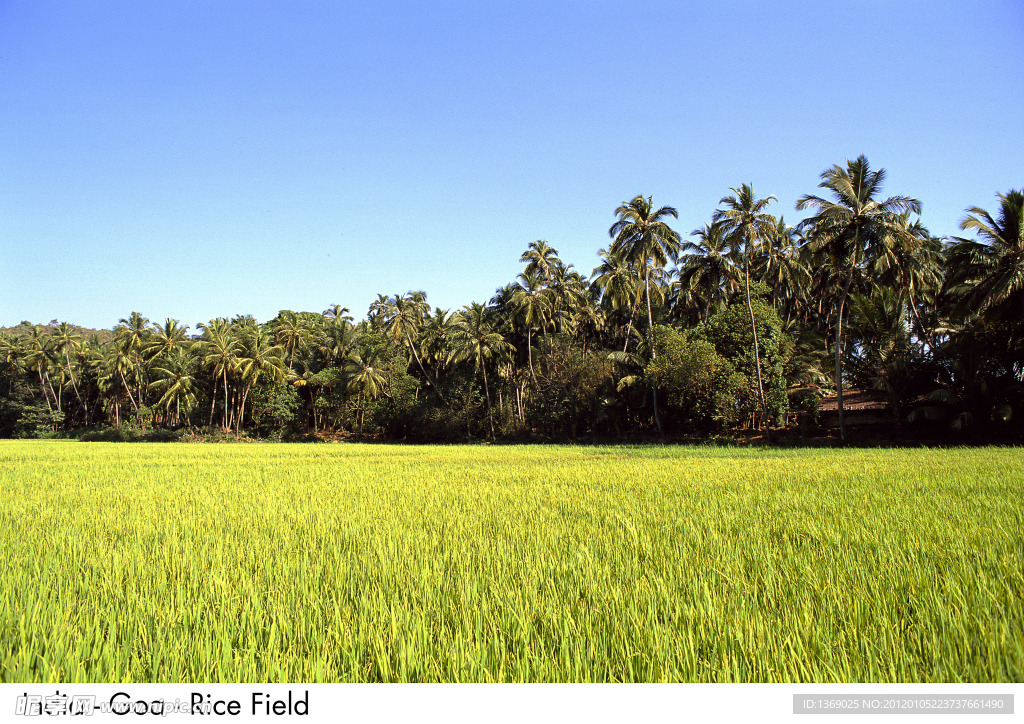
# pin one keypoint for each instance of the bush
(36, 421)
(276, 411)
(729, 331)
(702, 390)
(130, 433)
(571, 388)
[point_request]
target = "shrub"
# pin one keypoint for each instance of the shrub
(702, 389)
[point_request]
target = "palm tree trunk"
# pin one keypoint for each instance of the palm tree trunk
(56, 395)
(71, 374)
(487, 394)
(650, 317)
(650, 344)
(753, 331)
(839, 355)
(42, 386)
(128, 390)
(529, 355)
(469, 435)
(241, 411)
(224, 373)
(926, 339)
(629, 325)
(138, 389)
(430, 379)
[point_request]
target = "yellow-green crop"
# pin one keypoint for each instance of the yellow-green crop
(538, 563)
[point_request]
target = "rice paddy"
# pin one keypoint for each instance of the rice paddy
(235, 562)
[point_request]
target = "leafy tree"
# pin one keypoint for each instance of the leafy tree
(731, 334)
(572, 387)
(702, 389)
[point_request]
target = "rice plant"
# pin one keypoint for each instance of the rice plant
(208, 563)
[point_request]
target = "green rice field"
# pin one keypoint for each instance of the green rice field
(347, 562)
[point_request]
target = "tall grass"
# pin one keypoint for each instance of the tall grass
(387, 563)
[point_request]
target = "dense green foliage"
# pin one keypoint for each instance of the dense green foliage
(859, 294)
(702, 387)
(526, 563)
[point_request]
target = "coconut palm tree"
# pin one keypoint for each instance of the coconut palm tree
(65, 337)
(170, 335)
(473, 338)
(337, 339)
(781, 267)
(879, 321)
(533, 306)
(40, 358)
(912, 263)
(616, 283)
(987, 274)
(435, 337)
(401, 317)
(541, 259)
(847, 228)
(11, 353)
(291, 333)
(336, 312)
(644, 239)
(219, 349)
(567, 291)
(132, 334)
(709, 268)
(364, 376)
(175, 381)
(746, 225)
(259, 359)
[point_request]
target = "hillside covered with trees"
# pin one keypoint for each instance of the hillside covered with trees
(737, 324)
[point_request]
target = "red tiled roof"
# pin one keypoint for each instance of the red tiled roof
(855, 399)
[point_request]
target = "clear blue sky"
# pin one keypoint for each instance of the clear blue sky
(195, 159)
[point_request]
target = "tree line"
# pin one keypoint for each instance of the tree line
(742, 323)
